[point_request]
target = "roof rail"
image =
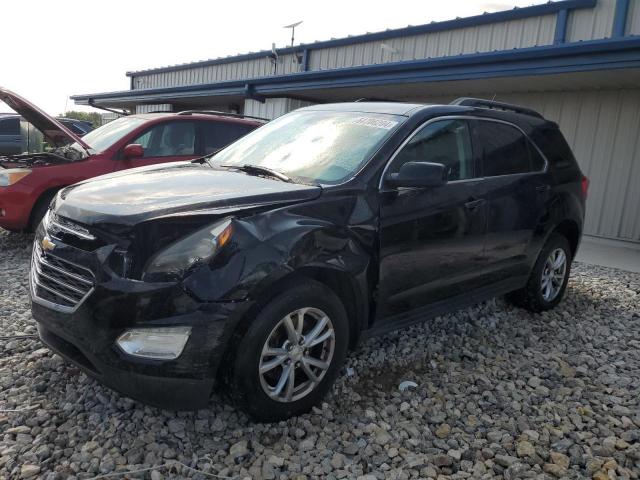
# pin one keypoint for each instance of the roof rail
(221, 114)
(479, 103)
(374, 99)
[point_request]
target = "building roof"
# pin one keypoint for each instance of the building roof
(588, 56)
(514, 14)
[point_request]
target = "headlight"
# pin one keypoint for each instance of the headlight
(46, 219)
(156, 343)
(12, 175)
(173, 262)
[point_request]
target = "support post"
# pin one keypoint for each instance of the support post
(620, 19)
(561, 27)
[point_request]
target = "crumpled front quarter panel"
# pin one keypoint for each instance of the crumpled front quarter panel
(333, 232)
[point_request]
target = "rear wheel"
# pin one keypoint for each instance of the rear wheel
(549, 277)
(291, 354)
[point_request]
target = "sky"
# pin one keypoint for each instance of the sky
(57, 48)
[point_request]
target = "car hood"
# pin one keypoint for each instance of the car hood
(51, 128)
(133, 196)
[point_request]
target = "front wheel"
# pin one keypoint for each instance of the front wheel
(291, 354)
(549, 277)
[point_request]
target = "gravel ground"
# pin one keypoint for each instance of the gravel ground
(500, 393)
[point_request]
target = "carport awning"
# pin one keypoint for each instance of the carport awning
(542, 62)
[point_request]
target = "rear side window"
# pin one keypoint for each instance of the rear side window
(10, 126)
(505, 150)
(217, 135)
(170, 139)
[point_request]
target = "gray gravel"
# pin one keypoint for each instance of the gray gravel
(501, 394)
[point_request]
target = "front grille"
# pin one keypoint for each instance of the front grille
(57, 281)
(57, 224)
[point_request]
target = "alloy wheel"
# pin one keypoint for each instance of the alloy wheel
(553, 274)
(296, 354)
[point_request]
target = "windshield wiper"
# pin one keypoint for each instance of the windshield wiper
(248, 168)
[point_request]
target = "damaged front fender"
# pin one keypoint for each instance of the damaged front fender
(273, 245)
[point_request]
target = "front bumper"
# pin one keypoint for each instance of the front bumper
(86, 333)
(16, 203)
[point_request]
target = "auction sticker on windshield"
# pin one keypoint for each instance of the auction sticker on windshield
(374, 122)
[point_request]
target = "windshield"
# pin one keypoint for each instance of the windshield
(103, 137)
(313, 146)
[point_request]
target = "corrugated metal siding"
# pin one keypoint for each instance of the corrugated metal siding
(633, 18)
(601, 127)
(260, 67)
(273, 107)
(161, 107)
(522, 33)
(591, 23)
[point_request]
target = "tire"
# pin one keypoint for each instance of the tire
(532, 297)
(249, 387)
(40, 210)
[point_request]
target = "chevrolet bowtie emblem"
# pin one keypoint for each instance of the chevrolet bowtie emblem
(47, 244)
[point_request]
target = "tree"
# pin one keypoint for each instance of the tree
(93, 117)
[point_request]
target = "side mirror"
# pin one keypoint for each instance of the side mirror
(133, 150)
(419, 174)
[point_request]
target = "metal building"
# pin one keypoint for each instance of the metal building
(576, 61)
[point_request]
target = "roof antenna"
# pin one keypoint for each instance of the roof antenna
(293, 30)
(494, 97)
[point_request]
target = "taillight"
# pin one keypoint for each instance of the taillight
(585, 187)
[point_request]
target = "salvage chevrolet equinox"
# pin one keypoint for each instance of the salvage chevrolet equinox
(258, 267)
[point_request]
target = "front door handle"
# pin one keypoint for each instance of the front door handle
(543, 188)
(473, 204)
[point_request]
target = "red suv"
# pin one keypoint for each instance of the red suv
(29, 181)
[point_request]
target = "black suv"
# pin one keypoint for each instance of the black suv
(258, 267)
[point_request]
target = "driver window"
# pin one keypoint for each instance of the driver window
(171, 139)
(447, 142)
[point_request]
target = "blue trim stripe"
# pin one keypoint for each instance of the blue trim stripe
(564, 58)
(514, 14)
(620, 18)
(561, 27)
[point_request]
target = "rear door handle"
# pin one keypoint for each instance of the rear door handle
(543, 188)
(473, 204)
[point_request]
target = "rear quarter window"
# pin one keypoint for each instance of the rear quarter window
(555, 147)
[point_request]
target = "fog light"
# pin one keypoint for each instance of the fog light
(157, 343)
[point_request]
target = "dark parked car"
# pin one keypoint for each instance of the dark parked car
(17, 135)
(260, 266)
